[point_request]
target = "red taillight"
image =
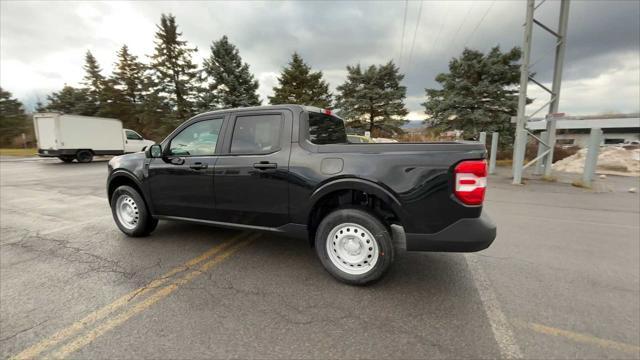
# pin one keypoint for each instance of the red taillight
(327, 111)
(470, 181)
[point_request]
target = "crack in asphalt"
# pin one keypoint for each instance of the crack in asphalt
(314, 313)
(62, 249)
(23, 331)
(160, 280)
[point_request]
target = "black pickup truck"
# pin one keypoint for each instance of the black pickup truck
(289, 169)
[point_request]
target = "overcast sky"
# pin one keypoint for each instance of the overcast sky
(42, 44)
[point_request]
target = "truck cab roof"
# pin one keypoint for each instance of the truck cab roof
(265, 107)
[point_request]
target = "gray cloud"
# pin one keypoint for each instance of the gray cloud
(44, 42)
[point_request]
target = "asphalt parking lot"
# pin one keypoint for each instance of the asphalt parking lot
(562, 280)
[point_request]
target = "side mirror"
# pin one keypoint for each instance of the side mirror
(154, 151)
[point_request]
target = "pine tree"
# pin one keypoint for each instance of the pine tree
(128, 75)
(373, 99)
(94, 82)
(299, 85)
(230, 83)
(69, 100)
(13, 120)
(123, 93)
(40, 106)
(174, 73)
(114, 104)
(156, 118)
(478, 94)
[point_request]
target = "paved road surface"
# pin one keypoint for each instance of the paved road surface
(561, 281)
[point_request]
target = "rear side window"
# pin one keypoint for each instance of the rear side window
(326, 129)
(256, 134)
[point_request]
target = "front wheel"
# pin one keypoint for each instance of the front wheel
(354, 246)
(130, 212)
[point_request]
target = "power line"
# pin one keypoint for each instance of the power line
(415, 33)
(404, 25)
(478, 25)
(444, 20)
(461, 23)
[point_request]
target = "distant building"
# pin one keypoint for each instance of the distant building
(574, 130)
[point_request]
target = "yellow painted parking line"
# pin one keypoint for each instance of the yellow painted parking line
(103, 312)
(583, 338)
(92, 335)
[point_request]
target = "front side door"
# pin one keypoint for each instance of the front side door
(181, 182)
(133, 142)
(251, 173)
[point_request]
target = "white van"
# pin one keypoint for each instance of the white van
(70, 137)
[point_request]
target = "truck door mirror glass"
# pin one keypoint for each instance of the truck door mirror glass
(155, 151)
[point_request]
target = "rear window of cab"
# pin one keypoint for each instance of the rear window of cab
(326, 129)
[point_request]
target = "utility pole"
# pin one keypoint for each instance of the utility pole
(557, 80)
(521, 137)
(522, 133)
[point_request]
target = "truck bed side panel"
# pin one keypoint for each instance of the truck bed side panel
(418, 175)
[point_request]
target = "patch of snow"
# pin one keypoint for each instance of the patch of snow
(612, 160)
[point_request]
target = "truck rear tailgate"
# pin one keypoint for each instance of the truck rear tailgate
(46, 132)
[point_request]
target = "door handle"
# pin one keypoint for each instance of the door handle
(198, 166)
(263, 165)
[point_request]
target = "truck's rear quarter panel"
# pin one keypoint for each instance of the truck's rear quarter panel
(418, 175)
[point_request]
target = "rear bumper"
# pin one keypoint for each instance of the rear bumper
(465, 235)
(55, 153)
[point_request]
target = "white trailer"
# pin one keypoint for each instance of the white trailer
(70, 137)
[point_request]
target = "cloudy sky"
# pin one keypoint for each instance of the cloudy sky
(42, 44)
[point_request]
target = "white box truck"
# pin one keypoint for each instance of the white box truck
(70, 137)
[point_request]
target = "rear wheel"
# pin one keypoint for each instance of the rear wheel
(84, 156)
(354, 246)
(66, 159)
(130, 212)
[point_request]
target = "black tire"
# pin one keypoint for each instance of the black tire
(66, 159)
(369, 222)
(145, 223)
(84, 156)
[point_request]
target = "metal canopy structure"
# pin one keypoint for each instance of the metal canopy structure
(588, 122)
(522, 133)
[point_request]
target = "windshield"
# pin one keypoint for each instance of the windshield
(326, 129)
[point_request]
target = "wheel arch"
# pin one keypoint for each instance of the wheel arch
(123, 177)
(346, 192)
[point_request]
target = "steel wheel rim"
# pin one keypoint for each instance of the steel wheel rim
(127, 212)
(352, 248)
